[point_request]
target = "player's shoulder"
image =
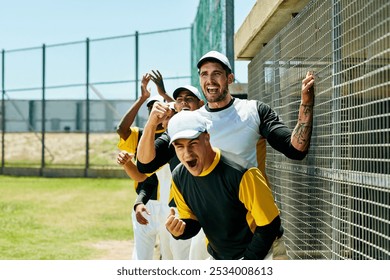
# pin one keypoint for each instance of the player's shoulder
(136, 129)
(179, 171)
(255, 102)
(163, 137)
(248, 104)
(234, 161)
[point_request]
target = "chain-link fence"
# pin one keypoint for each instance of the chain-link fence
(336, 203)
(213, 29)
(61, 102)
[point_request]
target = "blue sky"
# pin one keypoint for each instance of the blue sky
(26, 23)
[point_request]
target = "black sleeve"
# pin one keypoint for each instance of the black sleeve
(262, 240)
(280, 140)
(146, 189)
(164, 152)
(192, 229)
(278, 135)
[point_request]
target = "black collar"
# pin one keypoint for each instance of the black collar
(219, 109)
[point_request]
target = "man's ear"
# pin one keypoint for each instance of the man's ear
(230, 78)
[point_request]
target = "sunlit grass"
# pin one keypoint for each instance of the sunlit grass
(57, 218)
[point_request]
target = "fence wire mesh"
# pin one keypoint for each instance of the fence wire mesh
(336, 203)
(54, 96)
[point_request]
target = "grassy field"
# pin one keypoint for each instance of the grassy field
(62, 218)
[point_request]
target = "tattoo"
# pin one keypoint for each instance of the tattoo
(302, 133)
(307, 109)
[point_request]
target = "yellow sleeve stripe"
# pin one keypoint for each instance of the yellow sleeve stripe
(257, 198)
(135, 185)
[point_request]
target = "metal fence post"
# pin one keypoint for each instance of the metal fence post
(87, 111)
(136, 73)
(230, 32)
(43, 110)
(2, 110)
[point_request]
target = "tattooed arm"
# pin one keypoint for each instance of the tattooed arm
(293, 144)
(301, 135)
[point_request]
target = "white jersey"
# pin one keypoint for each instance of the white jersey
(236, 129)
(164, 178)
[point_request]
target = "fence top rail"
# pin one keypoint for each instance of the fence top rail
(94, 40)
(84, 84)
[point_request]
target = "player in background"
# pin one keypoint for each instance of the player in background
(145, 237)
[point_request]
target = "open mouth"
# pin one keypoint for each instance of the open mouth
(212, 90)
(192, 163)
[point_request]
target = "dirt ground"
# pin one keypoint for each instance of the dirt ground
(114, 249)
(60, 148)
(119, 250)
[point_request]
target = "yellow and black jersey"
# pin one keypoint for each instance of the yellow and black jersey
(148, 189)
(131, 143)
(230, 202)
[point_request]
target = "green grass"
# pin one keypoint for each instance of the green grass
(59, 218)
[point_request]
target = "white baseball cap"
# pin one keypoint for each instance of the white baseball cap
(153, 99)
(214, 55)
(187, 125)
(189, 88)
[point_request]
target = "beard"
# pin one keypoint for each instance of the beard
(213, 98)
